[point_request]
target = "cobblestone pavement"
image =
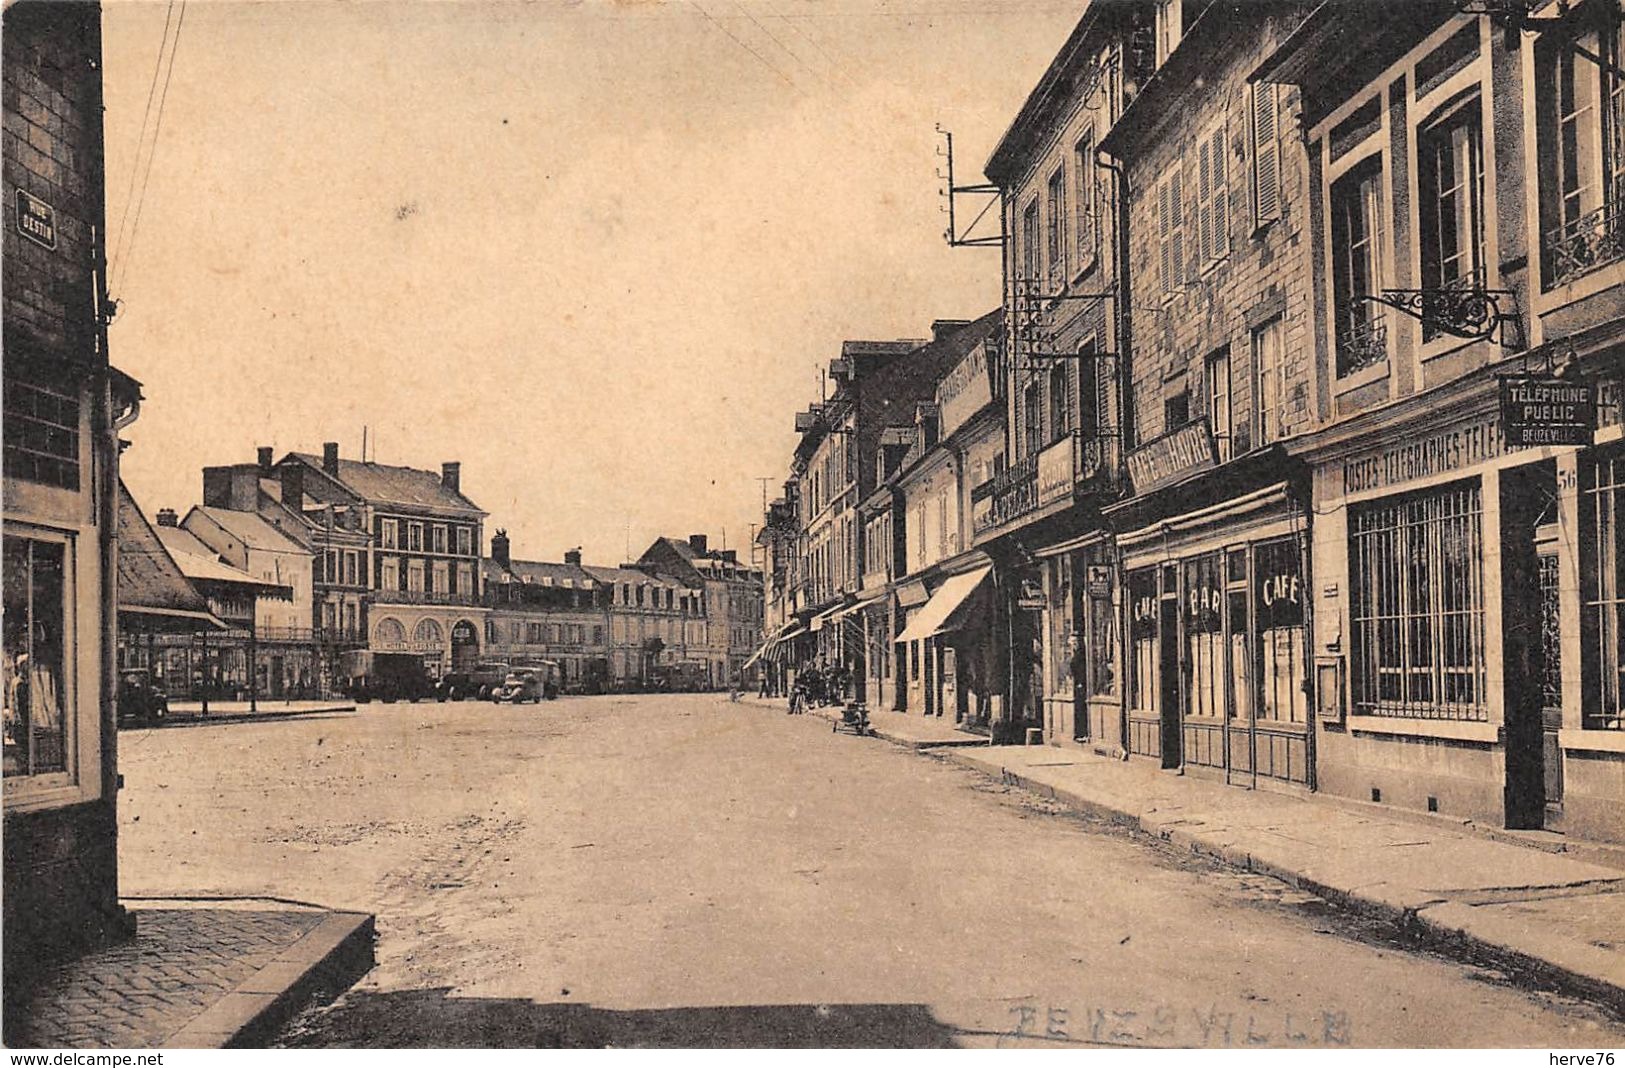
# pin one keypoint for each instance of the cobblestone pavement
(137, 993)
(681, 870)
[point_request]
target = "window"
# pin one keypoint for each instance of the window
(598, 635)
(1416, 585)
(389, 577)
(1083, 196)
(1580, 101)
(1056, 220)
(1213, 196)
(439, 542)
(465, 580)
(1170, 27)
(1171, 234)
(1266, 153)
(1101, 622)
(490, 631)
(36, 621)
(330, 617)
(1029, 242)
(352, 628)
(465, 541)
(1267, 382)
(440, 577)
(1356, 203)
(1060, 401)
(1602, 585)
(414, 537)
(335, 574)
(389, 533)
(1204, 635)
(389, 632)
(352, 568)
(1279, 593)
(1450, 179)
(41, 430)
(1033, 414)
(414, 576)
(535, 633)
(1176, 411)
(1218, 402)
(1145, 678)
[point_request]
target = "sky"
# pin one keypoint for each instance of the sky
(595, 250)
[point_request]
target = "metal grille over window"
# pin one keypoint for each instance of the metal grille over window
(1603, 588)
(1417, 599)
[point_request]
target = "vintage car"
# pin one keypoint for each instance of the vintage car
(519, 686)
(140, 699)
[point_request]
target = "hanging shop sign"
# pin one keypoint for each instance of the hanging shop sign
(1056, 467)
(1172, 456)
(36, 220)
(1031, 596)
(1098, 581)
(1546, 410)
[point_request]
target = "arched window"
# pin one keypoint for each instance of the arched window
(428, 630)
(389, 630)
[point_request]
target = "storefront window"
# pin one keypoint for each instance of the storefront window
(1102, 624)
(35, 628)
(1603, 594)
(1145, 679)
(1204, 635)
(1278, 591)
(1416, 585)
(1062, 636)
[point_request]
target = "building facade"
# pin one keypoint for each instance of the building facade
(1467, 174)
(547, 611)
(64, 407)
(416, 567)
(731, 593)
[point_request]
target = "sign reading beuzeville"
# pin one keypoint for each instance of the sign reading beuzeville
(1546, 410)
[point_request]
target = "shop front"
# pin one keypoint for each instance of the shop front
(1468, 617)
(1217, 643)
(946, 645)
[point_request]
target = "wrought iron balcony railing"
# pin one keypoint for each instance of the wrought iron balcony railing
(422, 597)
(1361, 342)
(1582, 245)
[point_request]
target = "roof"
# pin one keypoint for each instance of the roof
(396, 485)
(149, 580)
(199, 563)
(252, 530)
(547, 573)
(630, 575)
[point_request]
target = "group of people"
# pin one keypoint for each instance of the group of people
(817, 684)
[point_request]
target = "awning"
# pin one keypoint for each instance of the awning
(150, 619)
(911, 594)
(818, 621)
(937, 615)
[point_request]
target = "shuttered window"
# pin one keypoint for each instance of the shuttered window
(1212, 197)
(1171, 233)
(1266, 154)
(1083, 172)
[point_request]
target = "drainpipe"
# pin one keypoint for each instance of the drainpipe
(1125, 334)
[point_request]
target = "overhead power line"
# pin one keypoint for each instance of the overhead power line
(760, 58)
(152, 152)
(141, 132)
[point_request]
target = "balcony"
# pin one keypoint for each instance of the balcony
(1045, 478)
(284, 634)
(340, 636)
(422, 597)
(1361, 342)
(1594, 240)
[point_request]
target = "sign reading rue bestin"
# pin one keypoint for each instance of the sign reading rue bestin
(36, 220)
(1546, 410)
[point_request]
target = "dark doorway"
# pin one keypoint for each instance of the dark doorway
(1169, 650)
(1528, 507)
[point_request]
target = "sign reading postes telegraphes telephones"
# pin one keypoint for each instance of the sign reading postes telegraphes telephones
(1547, 410)
(36, 220)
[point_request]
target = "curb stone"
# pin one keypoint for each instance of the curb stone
(1413, 913)
(332, 956)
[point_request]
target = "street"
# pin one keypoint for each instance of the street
(679, 870)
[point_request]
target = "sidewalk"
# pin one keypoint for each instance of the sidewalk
(197, 975)
(899, 728)
(1545, 913)
(187, 713)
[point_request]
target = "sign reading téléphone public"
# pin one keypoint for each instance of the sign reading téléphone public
(1545, 410)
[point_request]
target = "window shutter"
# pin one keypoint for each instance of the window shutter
(1176, 227)
(1164, 237)
(1219, 209)
(1204, 199)
(1266, 155)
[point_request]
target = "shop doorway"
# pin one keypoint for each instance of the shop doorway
(1532, 666)
(465, 646)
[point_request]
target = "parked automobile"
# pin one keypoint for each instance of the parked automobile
(141, 699)
(519, 686)
(487, 676)
(385, 676)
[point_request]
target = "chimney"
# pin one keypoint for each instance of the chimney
(293, 485)
(573, 557)
(499, 547)
(265, 461)
(697, 543)
(168, 518)
(941, 328)
(330, 458)
(451, 476)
